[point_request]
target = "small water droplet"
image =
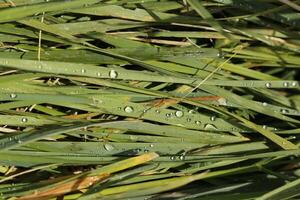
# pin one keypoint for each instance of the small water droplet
(213, 118)
(264, 103)
(172, 158)
(108, 147)
(181, 157)
(178, 113)
(285, 84)
(192, 111)
(268, 85)
(128, 109)
(210, 127)
(197, 122)
(188, 119)
(168, 115)
(222, 101)
(295, 84)
(98, 74)
(113, 74)
(24, 120)
(284, 111)
(13, 96)
(146, 150)
(138, 150)
(151, 145)
(83, 71)
(19, 141)
(157, 111)
(265, 126)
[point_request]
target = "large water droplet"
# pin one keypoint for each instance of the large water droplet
(128, 109)
(210, 127)
(179, 113)
(13, 96)
(113, 73)
(108, 147)
(268, 85)
(285, 84)
(24, 120)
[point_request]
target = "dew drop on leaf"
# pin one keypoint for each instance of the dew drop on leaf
(128, 109)
(113, 74)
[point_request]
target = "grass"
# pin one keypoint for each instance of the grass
(149, 99)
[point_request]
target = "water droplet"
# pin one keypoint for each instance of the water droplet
(284, 111)
(188, 119)
(264, 103)
(178, 113)
(172, 158)
(168, 115)
(13, 96)
(83, 71)
(285, 84)
(146, 150)
(128, 109)
(268, 85)
(192, 111)
(210, 127)
(151, 145)
(24, 120)
(222, 101)
(119, 108)
(98, 74)
(113, 74)
(265, 126)
(19, 141)
(108, 147)
(213, 118)
(295, 84)
(133, 137)
(157, 111)
(138, 150)
(197, 122)
(181, 157)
